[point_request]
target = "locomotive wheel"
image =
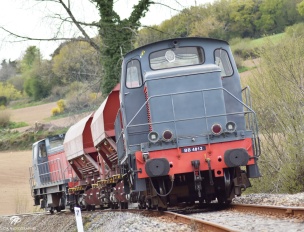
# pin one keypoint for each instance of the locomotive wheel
(123, 205)
(161, 209)
(58, 209)
(150, 206)
(114, 205)
(223, 196)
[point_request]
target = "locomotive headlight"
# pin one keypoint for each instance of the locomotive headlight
(153, 137)
(230, 127)
(216, 129)
(167, 136)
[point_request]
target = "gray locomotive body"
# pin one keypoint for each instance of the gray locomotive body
(184, 130)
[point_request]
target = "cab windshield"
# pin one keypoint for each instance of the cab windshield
(176, 57)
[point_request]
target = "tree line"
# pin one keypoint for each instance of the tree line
(93, 64)
(228, 19)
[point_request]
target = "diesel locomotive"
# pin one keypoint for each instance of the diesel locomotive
(178, 128)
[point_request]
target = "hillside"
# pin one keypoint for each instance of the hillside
(41, 114)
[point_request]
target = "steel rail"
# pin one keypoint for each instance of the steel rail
(25, 214)
(198, 224)
(268, 209)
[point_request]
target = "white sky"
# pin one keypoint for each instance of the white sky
(32, 18)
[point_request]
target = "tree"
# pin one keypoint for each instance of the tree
(8, 70)
(300, 8)
(31, 57)
(118, 37)
(36, 73)
(243, 16)
(208, 27)
(148, 35)
(291, 13)
(76, 61)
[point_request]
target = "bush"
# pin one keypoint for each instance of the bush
(59, 92)
(55, 111)
(59, 109)
(61, 105)
(79, 97)
(36, 88)
(8, 90)
(3, 101)
(239, 61)
(4, 118)
(17, 82)
(296, 30)
(277, 92)
(242, 48)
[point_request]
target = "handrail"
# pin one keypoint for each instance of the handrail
(256, 144)
(45, 175)
(195, 91)
(250, 123)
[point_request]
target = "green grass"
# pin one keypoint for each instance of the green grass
(14, 125)
(19, 105)
(14, 140)
(243, 69)
(273, 38)
(70, 113)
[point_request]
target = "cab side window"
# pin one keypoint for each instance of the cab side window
(222, 60)
(134, 78)
(42, 150)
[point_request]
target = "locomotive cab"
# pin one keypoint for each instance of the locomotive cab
(42, 175)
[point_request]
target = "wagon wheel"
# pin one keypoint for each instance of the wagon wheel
(71, 208)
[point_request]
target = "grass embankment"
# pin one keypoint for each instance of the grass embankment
(14, 138)
(247, 49)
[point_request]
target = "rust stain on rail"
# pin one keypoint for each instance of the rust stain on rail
(297, 212)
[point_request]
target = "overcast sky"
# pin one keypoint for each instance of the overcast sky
(32, 18)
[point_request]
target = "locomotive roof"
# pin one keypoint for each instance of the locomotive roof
(178, 38)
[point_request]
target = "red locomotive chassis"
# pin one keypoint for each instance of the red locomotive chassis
(180, 162)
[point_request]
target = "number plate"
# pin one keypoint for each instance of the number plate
(193, 149)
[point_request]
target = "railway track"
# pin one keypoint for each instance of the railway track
(193, 218)
(280, 211)
(184, 215)
(195, 224)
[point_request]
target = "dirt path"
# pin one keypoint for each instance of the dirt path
(41, 114)
(14, 182)
(32, 114)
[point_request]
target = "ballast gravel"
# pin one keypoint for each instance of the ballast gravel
(129, 222)
(253, 222)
